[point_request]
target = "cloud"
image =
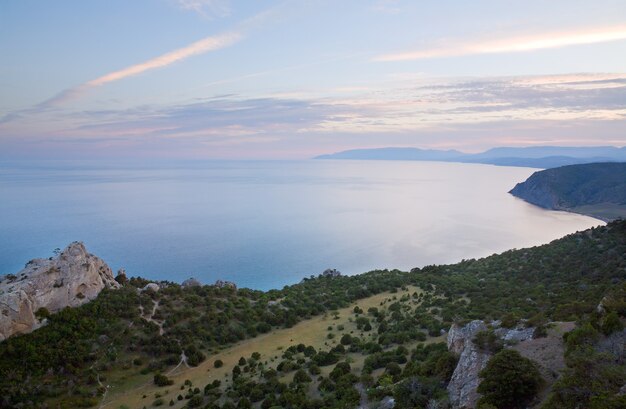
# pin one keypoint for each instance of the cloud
(405, 107)
(511, 44)
(207, 44)
(459, 113)
(207, 8)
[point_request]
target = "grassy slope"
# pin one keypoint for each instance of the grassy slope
(130, 391)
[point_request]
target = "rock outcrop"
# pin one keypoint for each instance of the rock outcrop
(515, 335)
(70, 279)
(225, 284)
(472, 360)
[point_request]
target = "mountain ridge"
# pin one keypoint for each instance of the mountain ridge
(534, 156)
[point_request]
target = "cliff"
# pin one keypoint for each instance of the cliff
(595, 189)
(472, 360)
(70, 279)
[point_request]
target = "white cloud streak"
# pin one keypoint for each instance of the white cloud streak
(207, 44)
(512, 44)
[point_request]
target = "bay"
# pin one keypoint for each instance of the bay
(265, 224)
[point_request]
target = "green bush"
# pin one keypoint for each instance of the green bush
(162, 380)
(509, 381)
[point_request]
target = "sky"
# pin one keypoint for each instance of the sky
(291, 79)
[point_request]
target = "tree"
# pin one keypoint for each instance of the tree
(301, 377)
(510, 381)
(162, 380)
(218, 363)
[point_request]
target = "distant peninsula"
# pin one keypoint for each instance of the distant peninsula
(542, 157)
(595, 189)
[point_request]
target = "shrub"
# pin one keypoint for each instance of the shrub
(218, 363)
(488, 341)
(509, 380)
(162, 380)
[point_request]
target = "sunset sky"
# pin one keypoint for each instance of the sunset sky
(292, 79)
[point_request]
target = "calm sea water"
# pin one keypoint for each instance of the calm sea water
(267, 224)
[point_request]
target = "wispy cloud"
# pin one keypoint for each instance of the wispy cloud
(207, 8)
(459, 113)
(207, 44)
(511, 44)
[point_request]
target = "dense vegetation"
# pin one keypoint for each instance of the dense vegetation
(509, 381)
(570, 187)
(66, 362)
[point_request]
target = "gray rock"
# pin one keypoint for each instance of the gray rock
(387, 403)
(151, 287)
(191, 282)
(472, 360)
(225, 284)
(515, 335)
(69, 279)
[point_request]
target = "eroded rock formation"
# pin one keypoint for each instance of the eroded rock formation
(70, 279)
(472, 360)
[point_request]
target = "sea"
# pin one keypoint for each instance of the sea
(267, 224)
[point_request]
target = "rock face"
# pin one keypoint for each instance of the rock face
(472, 360)
(70, 279)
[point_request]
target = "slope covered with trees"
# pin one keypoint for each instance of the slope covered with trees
(598, 189)
(68, 362)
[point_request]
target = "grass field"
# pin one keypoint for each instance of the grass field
(128, 391)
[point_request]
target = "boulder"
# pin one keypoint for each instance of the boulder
(191, 282)
(70, 279)
(151, 287)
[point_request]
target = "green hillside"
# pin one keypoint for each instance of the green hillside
(68, 362)
(597, 189)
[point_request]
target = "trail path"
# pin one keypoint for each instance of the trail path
(150, 318)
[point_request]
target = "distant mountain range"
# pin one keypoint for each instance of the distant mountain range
(595, 189)
(534, 157)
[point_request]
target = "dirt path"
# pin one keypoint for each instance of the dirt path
(150, 318)
(104, 395)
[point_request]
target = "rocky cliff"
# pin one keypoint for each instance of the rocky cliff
(72, 278)
(472, 360)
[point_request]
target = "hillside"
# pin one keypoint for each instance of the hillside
(533, 157)
(597, 189)
(328, 342)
